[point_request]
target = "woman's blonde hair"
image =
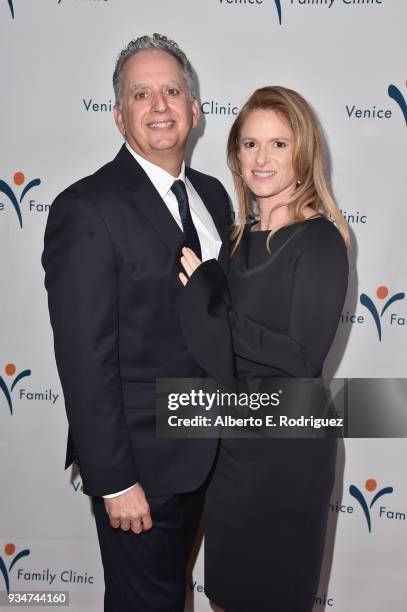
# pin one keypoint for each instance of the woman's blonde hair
(308, 160)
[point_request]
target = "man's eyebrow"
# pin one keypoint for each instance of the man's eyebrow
(174, 83)
(138, 86)
(146, 86)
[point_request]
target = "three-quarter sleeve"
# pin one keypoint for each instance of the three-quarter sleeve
(204, 316)
(319, 290)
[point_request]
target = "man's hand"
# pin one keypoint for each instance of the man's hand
(190, 262)
(130, 510)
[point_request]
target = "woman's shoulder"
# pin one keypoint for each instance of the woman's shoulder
(320, 230)
(321, 245)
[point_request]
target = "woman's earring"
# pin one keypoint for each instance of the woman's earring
(298, 183)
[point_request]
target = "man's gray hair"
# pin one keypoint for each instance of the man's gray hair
(147, 43)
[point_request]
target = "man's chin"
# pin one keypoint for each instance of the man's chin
(165, 144)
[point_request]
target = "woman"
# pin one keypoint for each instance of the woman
(278, 312)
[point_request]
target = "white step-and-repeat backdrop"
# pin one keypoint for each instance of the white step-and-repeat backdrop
(57, 58)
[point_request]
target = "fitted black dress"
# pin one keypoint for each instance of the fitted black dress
(267, 504)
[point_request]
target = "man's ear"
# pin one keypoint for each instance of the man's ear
(196, 112)
(118, 118)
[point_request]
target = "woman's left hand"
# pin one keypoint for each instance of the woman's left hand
(190, 262)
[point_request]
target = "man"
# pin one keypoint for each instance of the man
(112, 248)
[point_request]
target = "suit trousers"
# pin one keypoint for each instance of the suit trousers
(147, 572)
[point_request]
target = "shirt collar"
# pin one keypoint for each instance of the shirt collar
(161, 179)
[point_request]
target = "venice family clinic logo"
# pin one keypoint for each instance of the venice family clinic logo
(277, 4)
(9, 551)
(398, 97)
(18, 180)
(381, 293)
(370, 486)
(10, 370)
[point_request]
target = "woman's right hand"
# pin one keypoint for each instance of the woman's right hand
(190, 262)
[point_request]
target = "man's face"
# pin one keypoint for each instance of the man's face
(157, 111)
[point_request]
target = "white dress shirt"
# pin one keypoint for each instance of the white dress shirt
(207, 232)
(162, 181)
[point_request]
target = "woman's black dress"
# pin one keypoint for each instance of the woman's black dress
(267, 503)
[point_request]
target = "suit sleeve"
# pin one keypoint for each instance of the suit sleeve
(81, 278)
(320, 285)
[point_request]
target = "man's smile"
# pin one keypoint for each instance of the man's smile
(161, 125)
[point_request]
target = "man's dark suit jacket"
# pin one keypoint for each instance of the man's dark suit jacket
(111, 259)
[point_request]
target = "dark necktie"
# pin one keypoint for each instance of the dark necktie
(191, 235)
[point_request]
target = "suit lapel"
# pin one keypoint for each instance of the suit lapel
(155, 209)
(144, 195)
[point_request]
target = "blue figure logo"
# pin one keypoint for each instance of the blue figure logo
(278, 7)
(382, 293)
(10, 370)
(18, 180)
(370, 485)
(398, 97)
(10, 549)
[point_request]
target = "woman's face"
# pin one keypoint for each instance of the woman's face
(265, 151)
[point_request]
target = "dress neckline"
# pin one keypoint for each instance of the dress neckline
(267, 231)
